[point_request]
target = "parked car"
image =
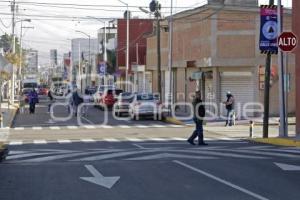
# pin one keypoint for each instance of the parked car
(109, 97)
(122, 105)
(146, 105)
(43, 91)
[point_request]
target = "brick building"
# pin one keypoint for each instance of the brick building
(216, 50)
(138, 28)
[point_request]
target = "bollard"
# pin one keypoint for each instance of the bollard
(251, 127)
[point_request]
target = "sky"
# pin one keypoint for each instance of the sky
(54, 25)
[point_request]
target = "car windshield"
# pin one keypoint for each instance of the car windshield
(145, 97)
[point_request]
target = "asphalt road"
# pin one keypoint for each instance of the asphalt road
(148, 170)
(61, 117)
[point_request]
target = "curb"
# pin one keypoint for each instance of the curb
(173, 120)
(289, 142)
(3, 152)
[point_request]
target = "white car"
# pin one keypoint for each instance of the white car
(146, 105)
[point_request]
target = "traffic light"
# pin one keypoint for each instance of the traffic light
(153, 5)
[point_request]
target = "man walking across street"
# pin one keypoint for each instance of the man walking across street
(199, 114)
(229, 104)
(77, 100)
(33, 99)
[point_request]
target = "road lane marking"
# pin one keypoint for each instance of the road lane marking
(87, 140)
(158, 126)
(170, 155)
(222, 154)
(115, 155)
(89, 127)
(111, 140)
(134, 139)
(175, 126)
(54, 127)
(72, 127)
(141, 126)
(105, 126)
(37, 128)
(64, 141)
(158, 139)
(257, 196)
(178, 139)
(39, 141)
(124, 126)
(16, 143)
(262, 153)
(19, 128)
(26, 155)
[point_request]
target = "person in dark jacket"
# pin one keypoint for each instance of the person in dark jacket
(199, 114)
(51, 100)
(33, 99)
(77, 100)
(229, 105)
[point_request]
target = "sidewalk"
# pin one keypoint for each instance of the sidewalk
(8, 112)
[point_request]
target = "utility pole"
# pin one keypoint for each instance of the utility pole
(282, 96)
(12, 89)
(155, 7)
(267, 91)
(170, 57)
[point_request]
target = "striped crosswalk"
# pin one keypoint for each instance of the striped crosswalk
(139, 126)
(120, 139)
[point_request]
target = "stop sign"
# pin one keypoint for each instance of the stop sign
(287, 41)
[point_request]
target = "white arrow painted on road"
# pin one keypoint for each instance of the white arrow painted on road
(99, 179)
(287, 167)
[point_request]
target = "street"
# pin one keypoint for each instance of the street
(150, 170)
(138, 160)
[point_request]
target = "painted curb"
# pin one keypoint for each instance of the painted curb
(173, 120)
(290, 142)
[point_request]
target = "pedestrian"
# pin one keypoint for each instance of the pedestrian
(51, 99)
(69, 100)
(33, 99)
(199, 114)
(229, 105)
(77, 100)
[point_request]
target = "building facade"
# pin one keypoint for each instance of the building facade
(138, 29)
(31, 61)
(215, 50)
(296, 29)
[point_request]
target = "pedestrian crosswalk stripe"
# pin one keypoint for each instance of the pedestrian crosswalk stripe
(39, 141)
(141, 126)
(54, 127)
(179, 139)
(158, 126)
(227, 138)
(19, 128)
(175, 126)
(16, 143)
(134, 139)
(87, 140)
(89, 127)
(72, 127)
(105, 126)
(124, 126)
(111, 140)
(64, 141)
(158, 139)
(37, 128)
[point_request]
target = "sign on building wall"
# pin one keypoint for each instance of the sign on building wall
(268, 29)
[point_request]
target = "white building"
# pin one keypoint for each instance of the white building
(31, 61)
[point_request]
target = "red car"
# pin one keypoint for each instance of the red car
(43, 91)
(109, 97)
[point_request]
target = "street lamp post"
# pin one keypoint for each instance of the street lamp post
(127, 43)
(89, 65)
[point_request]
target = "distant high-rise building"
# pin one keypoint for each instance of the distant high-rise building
(53, 57)
(31, 61)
